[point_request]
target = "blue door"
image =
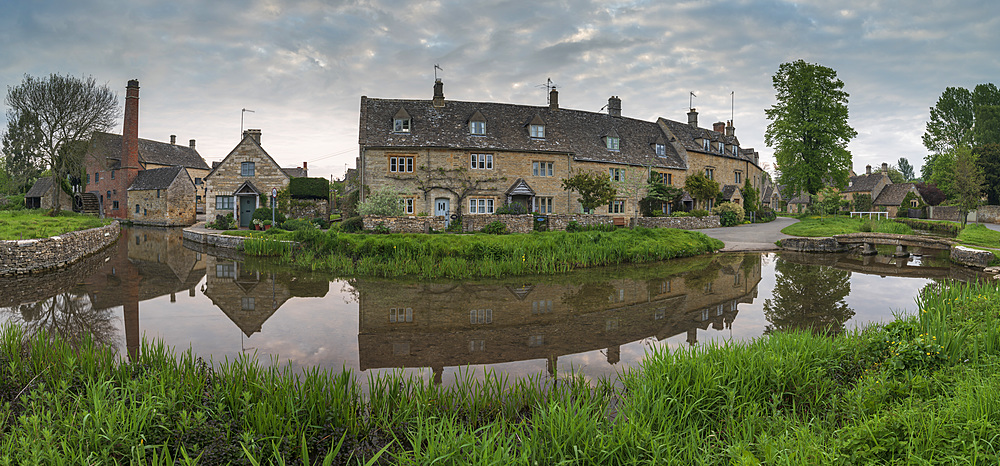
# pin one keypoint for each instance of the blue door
(247, 205)
(442, 208)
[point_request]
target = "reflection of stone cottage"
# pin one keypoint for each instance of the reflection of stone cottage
(40, 196)
(236, 184)
(449, 157)
(113, 162)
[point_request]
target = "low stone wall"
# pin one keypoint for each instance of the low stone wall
(558, 222)
(684, 223)
(38, 255)
(812, 245)
(411, 224)
(944, 212)
(515, 223)
(309, 208)
(971, 257)
(988, 213)
(214, 239)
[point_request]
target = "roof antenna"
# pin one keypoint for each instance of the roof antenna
(436, 68)
(732, 110)
(549, 86)
(691, 101)
(244, 112)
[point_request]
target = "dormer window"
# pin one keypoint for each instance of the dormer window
(401, 122)
(477, 128)
(722, 148)
(707, 144)
(661, 149)
(612, 142)
(537, 131)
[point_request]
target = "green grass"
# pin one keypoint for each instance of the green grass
(482, 255)
(811, 226)
(923, 389)
(979, 235)
(29, 224)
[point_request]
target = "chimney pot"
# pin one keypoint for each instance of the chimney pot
(693, 118)
(615, 106)
(438, 101)
(719, 127)
(305, 165)
(553, 99)
(885, 168)
(868, 170)
(253, 133)
(191, 143)
(173, 139)
(730, 129)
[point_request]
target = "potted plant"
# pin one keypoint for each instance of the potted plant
(258, 224)
(267, 224)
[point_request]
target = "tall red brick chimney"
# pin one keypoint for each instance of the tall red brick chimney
(130, 133)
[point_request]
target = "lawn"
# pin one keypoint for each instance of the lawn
(30, 224)
(978, 235)
(813, 226)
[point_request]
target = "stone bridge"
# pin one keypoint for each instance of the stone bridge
(902, 242)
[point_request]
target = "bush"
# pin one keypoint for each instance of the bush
(574, 227)
(223, 222)
(495, 227)
(384, 202)
(352, 225)
(765, 214)
(12, 202)
(730, 214)
(455, 226)
(699, 213)
(264, 213)
(321, 223)
(296, 224)
(680, 213)
(511, 209)
(309, 188)
(381, 229)
(540, 223)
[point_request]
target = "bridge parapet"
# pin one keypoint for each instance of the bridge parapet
(895, 240)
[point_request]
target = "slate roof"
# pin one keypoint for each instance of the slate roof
(688, 136)
(893, 194)
(157, 178)
(575, 132)
(295, 172)
(766, 196)
(159, 153)
(728, 191)
(40, 188)
(863, 183)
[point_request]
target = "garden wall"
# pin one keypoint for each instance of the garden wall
(410, 224)
(683, 223)
(309, 208)
(558, 222)
(515, 223)
(988, 213)
(37, 255)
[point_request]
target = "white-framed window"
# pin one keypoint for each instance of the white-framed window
(247, 169)
(224, 202)
(477, 346)
(543, 205)
(707, 144)
(541, 307)
(481, 161)
(541, 168)
(401, 125)
(617, 206)
(480, 206)
(477, 128)
(738, 177)
(722, 148)
(481, 316)
(221, 270)
(537, 131)
(616, 174)
(612, 142)
(661, 149)
(710, 173)
(401, 164)
(408, 205)
(398, 315)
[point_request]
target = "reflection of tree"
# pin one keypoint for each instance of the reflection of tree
(70, 316)
(808, 297)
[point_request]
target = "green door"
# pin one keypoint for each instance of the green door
(247, 206)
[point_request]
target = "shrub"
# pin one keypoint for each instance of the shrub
(699, 213)
(321, 222)
(296, 224)
(12, 202)
(730, 214)
(455, 226)
(352, 225)
(540, 223)
(511, 209)
(680, 213)
(863, 202)
(765, 214)
(264, 213)
(223, 222)
(381, 229)
(574, 227)
(384, 202)
(495, 227)
(309, 188)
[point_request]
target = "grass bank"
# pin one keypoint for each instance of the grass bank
(813, 226)
(976, 234)
(922, 389)
(30, 224)
(483, 255)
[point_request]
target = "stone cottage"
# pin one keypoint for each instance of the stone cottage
(40, 196)
(890, 198)
(162, 196)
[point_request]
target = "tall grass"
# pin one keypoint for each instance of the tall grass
(29, 224)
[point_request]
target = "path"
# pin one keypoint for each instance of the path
(752, 237)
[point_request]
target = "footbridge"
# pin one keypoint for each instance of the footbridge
(868, 241)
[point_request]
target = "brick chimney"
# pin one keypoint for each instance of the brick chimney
(173, 139)
(693, 118)
(719, 127)
(553, 99)
(868, 170)
(730, 129)
(615, 106)
(438, 94)
(253, 133)
(191, 143)
(130, 133)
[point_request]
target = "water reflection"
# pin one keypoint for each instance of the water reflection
(808, 297)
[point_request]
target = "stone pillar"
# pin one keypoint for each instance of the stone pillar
(901, 251)
(869, 249)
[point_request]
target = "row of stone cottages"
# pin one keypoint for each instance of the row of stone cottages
(159, 183)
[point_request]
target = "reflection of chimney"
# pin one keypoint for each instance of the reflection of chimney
(868, 170)
(553, 99)
(692, 338)
(614, 355)
(719, 127)
(173, 139)
(191, 143)
(615, 106)
(253, 133)
(693, 118)
(551, 365)
(438, 94)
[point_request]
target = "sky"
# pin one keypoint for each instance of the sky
(302, 66)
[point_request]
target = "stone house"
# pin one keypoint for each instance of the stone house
(890, 198)
(457, 157)
(236, 184)
(114, 161)
(163, 196)
(40, 196)
(870, 183)
(732, 193)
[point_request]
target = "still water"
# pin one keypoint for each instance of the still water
(594, 323)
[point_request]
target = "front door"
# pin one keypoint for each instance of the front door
(247, 206)
(442, 208)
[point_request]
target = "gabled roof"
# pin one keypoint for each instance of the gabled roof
(689, 136)
(295, 172)
(157, 178)
(728, 191)
(520, 188)
(109, 146)
(567, 131)
(893, 194)
(251, 140)
(40, 188)
(864, 183)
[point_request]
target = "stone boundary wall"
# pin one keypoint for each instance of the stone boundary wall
(216, 240)
(309, 208)
(558, 222)
(515, 223)
(35, 287)
(988, 213)
(409, 224)
(684, 223)
(944, 212)
(19, 257)
(813, 245)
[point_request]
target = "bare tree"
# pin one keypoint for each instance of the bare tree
(67, 110)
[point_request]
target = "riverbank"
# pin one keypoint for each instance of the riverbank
(921, 388)
(18, 257)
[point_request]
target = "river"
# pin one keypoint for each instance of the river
(593, 323)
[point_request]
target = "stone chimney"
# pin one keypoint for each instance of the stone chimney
(191, 143)
(719, 127)
(868, 170)
(305, 165)
(253, 133)
(553, 99)
(693, 118)
(885, 168)
(173, 139)
(438, 94)
(730, 129)
(615, 106)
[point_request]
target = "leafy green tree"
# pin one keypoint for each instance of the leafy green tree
(828, 200)
(66, 110)
(968, 186)
(594, 188)
(988, 159)
(895, 175)
(986, 107)
(863, 202)
(701, 187)
(751, 199)
(383, 202)
(659, 195)
(942, 173)
(961, 118)
(905, 168)
(21, 157)
(808, 129)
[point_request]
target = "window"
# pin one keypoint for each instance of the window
(481, 316)
(536, 340)
(707, 144)
(541, 168)
(661, 149)
(612, 142)
(477, 345)
(401, 164)
(225, 270)
(541, 307)
(88, 178)
(736, 149)
(617, 206)
(480, 206)
(722, 148)
(97, 177)
(616, 174)
(112, 174)
(481, 161)
(738, 177)
(913, 203)
(400, 315)
(710, 173)
(224, 202)
(247, 169)
(543, 205)
(667, 178)
(114, 205)
(477, 128)
(137, 208)
(157, 193)
(408, 205)
(197, 181)
(401, 125)
(248, 303)
(537, 131)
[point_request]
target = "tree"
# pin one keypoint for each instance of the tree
(594, 188)
(384, 202)
(905, 168)
(986, 109)
(701, 187)
(931, 193)
(660, 195)
(968, 185)
(808, 129)
(66, 111)
(751, 199)
(632, 184)
(942, 173)
(988, 159)
(895, 175)
(21, 159)
(808, 297)
(961, 118)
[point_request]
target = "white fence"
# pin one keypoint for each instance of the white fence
(871, 214)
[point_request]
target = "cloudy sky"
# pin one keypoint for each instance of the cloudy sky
(302, 67)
